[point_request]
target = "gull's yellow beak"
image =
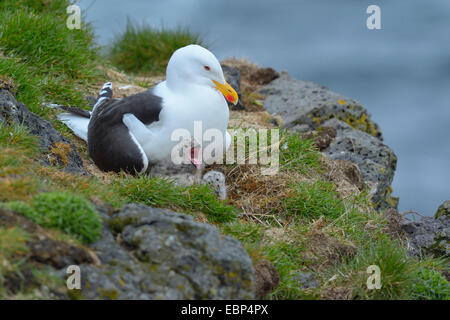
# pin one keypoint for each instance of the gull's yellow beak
(228, 92)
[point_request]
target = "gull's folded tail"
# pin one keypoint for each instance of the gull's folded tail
(104, 94)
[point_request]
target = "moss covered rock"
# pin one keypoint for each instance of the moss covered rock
(443, 210)
(57, 150)
(429, 236)
(376, 160)
(309, 107)
(165, 255)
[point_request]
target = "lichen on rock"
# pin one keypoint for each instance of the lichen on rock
(306, 106)
(340, 127)
(428, 236)
(376, 160)
(165, 255)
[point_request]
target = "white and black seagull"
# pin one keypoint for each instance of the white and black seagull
(132, 133)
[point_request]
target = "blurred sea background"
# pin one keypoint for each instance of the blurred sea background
(400, 73)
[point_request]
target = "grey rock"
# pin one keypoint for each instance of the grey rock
(443, 210)
(233, 77)
(306, 106)
(158, 254)
(428, 236)
(12, 111)
(376, 161)
(305, 280)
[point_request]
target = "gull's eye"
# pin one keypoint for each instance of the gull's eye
(207, 68)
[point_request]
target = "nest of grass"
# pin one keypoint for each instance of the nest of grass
(253, 119)
(260, 197)
(345, 174)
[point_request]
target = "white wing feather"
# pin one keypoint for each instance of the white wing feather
(78, 124)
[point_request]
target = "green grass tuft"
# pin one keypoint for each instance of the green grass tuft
(47, 61)
(13, 248)
(143, 49)
(314, 199)
(431, 285)
(298, 154)
(288, 258)
(18, 136)
(161, 192)
(12, 245)
(395, 266)
(67, 212)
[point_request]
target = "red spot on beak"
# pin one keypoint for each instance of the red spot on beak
(230, 98)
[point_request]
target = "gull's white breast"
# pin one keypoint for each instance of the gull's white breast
(179, 111)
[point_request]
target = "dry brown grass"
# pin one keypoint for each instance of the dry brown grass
(346, 176)
(58, 153)
(7, 83)
(255, 119)
(258, 196)
(15, 188)
(323, 251)
(123, 84)
(16, 183)
(62, 180)
(338, 293)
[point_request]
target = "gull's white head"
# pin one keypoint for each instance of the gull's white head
(195, 64)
